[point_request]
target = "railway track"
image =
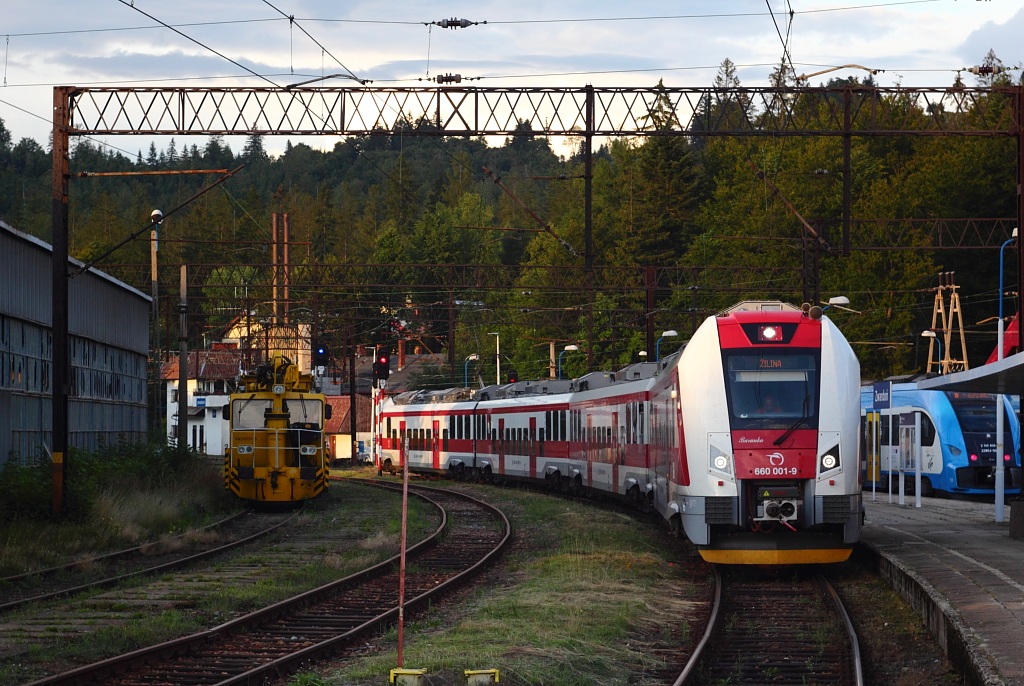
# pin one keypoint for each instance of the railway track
(104, 571)
(777, 627)
(320, 623)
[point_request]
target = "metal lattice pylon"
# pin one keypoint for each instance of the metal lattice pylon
(944, 324)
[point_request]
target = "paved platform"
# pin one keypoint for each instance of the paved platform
(964, 574)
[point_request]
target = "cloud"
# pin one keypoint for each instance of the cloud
(1004, 39)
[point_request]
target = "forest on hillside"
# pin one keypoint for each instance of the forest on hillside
(381, 224)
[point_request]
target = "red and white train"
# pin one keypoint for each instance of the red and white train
(746, 439)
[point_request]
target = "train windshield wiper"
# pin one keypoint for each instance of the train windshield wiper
(806, 415)
(782, 439)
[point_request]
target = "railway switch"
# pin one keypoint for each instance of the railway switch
(481, 677)
(408, 677)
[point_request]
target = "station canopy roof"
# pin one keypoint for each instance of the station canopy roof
(1003, 376)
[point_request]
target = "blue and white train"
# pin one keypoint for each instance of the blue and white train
(958, 442)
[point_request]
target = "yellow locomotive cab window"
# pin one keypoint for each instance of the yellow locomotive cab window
(247, 413)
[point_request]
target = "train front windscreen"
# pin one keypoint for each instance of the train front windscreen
(976, 413)
(772, 389)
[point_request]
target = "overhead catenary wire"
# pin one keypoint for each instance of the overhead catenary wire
(205, 47)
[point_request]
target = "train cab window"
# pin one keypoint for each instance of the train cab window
(306, 411)
(927, 430)
(772, 388)
(247, 413)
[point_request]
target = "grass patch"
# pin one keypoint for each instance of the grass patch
(578, 605)
(358, 510)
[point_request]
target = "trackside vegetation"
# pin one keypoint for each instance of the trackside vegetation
(114, 498)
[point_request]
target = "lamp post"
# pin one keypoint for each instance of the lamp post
(838, 300)
(497, 354)
(928, 333)
(642, 355)
(568, 348)
(154, 236)
(465, 369)
(1000, 444)
(671, 333)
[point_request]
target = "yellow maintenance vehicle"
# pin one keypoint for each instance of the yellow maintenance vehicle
(278, 450)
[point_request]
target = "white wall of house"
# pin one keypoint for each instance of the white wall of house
(207, 421)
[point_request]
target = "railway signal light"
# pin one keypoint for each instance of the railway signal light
(320, 356)
(382, 365)
(513, 376)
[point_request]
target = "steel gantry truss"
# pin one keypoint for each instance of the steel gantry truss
(588, 112)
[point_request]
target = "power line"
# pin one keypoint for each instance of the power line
(386, 22)
(205, 47)
(292, 22)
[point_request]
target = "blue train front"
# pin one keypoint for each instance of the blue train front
(957, 437)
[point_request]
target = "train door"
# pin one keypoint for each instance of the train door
(435, 444)
(500, 448)
(618, 445)
(588, 449)
(871, 447)
(532, 447)
(403, 444)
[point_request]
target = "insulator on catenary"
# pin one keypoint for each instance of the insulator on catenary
(984, 71)
(455, 23)
(448, 78)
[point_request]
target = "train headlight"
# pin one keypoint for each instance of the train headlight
(278, 389)
(245, 450)
(829, 460)
(719, 461)
(307, 450)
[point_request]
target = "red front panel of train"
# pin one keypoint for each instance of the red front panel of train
(757, 457)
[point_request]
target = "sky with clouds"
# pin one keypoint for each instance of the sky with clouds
(525, 43)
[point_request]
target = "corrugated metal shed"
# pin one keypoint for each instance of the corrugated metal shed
(108, 323)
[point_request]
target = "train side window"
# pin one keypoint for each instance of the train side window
(884, 433)
(387, 431)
